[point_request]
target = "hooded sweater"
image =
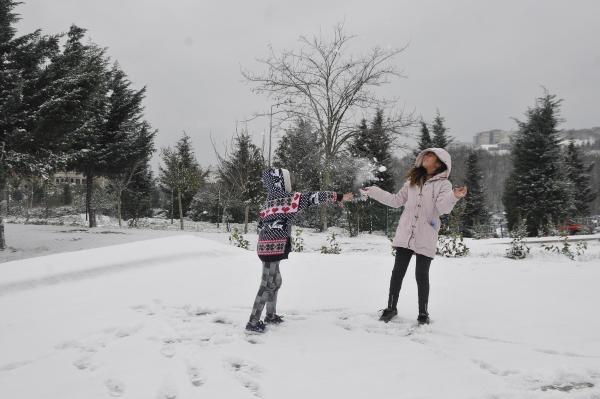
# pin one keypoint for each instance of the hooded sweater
(420, 221)
(278, 212)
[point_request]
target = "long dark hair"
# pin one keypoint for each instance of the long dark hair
(418, 174)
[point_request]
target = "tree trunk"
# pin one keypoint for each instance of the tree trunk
(225, 218)
(46, 199)
(180, 209)
(28, 202)
(119, 207)
(246, 213)
(89, 189)
(172, 206)
(2, 240)
(326, 186)
(7, 199)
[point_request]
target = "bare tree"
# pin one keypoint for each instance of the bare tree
(322, 84)
(120, 182)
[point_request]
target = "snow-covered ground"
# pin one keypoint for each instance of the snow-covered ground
(161, 315)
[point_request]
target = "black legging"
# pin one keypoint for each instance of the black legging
(403, 256)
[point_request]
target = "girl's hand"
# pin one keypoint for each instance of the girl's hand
(364, 191)
(347, 197)
(460, 192)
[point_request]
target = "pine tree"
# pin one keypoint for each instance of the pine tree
(137, 197)
(579, 175)
(299, 152)
(475, 213)
(75, 111)
(374, 144)
(181, 174)
(128, 139)
(22, 59)
(241, 174)
(440, 136)
(425, 141)
(537, 189)
(379, 146)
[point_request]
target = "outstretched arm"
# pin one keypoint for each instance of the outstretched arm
(448, 197)
(313, 198)
(389, 199)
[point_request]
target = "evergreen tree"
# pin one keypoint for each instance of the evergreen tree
(181, 174)
(75, 112)
(299, 152)
(425, 141)
(21, 61)
(537, 190)
(380, 143)
(475, 213)
(129, 141)
(137, 197)
(578, 174)
(374, 144)
(440, 136)
(241, 174)
(359, 146)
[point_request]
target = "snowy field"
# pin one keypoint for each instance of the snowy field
(160, 315)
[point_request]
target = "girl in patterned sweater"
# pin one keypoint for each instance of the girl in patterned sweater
(274, 238)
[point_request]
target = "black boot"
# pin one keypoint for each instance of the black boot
(388, 314)
(423, 318)
(273, 319)
(258, 327)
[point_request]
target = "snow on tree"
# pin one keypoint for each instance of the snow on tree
(440, 137)
(475, 212)
(424, 139)
(180, 173)
(299, 152)
(241, 173)
(537, 189)
(325, 85)
(579, 176)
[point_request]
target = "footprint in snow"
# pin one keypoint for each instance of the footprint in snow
(115, 387)
(195, 376)
(246, 374)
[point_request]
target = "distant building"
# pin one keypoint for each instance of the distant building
(495, 141)
(495, 136)
(69, 178)
(76, 178)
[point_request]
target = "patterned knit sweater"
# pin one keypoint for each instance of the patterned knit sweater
(278, 213)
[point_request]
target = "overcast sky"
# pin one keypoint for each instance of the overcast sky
(479, 62)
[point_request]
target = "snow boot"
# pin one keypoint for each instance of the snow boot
(273, 319)
(258, 327)
(388, 314)
(423, 318)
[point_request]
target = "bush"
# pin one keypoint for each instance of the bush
(297, 241)
(518, 246)
(333, 248)
(452, 246)
(567, 248)
(237, 238)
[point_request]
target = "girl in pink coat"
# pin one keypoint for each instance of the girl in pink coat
(426, 195)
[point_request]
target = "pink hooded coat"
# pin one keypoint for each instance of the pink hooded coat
(420, 222)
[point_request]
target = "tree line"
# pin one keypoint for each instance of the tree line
(65, 105)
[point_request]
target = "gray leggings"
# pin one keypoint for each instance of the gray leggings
(267, 292)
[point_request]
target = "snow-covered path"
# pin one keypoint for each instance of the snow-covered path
(164, 318)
